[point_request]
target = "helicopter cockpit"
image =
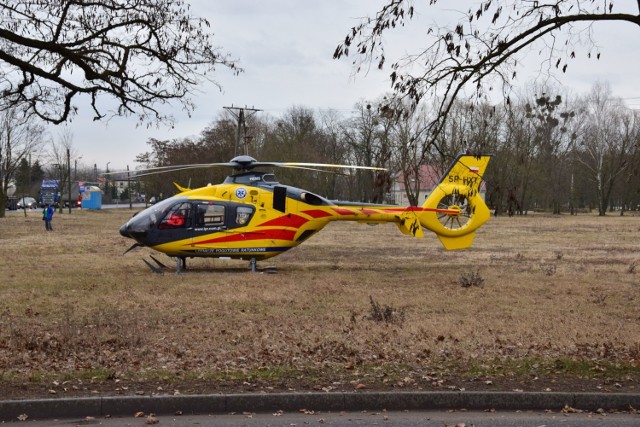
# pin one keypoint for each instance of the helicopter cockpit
(181, 218)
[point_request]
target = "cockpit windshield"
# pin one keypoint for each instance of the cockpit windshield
(154, 214)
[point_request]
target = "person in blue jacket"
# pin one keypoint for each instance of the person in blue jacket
(47, 217)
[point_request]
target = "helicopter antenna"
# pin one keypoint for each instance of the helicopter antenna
(242, 126)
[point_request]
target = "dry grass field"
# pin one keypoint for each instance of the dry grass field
(539, 303)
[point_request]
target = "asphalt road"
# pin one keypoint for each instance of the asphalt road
(365, 418)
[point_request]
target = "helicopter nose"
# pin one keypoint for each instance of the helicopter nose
(134, 230)
(124, 231)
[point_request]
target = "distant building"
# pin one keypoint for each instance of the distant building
(429, 178)
(121, 186)
(118, 181)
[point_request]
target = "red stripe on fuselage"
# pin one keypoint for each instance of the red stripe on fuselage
(421, 209)
(317, 213)
(275, 234)
(369, 211)
(290, 220)
(343, 211)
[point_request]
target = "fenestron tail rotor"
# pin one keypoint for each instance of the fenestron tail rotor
(459, 204)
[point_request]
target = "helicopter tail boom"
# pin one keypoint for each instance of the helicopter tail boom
(455, 209)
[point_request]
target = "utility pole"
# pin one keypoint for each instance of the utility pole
(242, 125)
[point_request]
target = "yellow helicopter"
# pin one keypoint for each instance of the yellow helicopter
(251, 216)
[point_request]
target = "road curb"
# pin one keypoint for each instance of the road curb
(40, 409)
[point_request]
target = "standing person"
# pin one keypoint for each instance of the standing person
(47, 216)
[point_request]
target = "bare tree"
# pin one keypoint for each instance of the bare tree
(367, 134)
(298, 136)
(60, 154)
(139, 53)
(19, 137)
(483, 46)
(553, 142)
(515, 157)
(411, 152)
(609, 142)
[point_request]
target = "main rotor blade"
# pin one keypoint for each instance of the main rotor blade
(174, 169)
(241, 163)
(316, 170)
(160, 169)
(327, 165)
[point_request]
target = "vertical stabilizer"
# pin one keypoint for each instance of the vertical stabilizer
(455, 208)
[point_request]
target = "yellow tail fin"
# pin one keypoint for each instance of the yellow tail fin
(455, 208)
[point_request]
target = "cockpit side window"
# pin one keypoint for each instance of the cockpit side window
(243, 214)
(269, 178)
(209, 215)
(179, 216)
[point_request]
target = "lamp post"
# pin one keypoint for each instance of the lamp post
(75, 168)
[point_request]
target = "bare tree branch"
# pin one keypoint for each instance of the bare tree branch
(139, 53)
(484, 44)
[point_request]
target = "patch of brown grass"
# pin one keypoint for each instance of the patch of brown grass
(553, 289)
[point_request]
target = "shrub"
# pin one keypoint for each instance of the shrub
(385, 313)
(471, 279)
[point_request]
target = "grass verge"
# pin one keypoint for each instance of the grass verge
(539, 302)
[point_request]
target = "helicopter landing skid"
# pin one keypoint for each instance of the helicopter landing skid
(153, 267)
(181, 265)
(253, 266)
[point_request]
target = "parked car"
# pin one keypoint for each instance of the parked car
(27, 203)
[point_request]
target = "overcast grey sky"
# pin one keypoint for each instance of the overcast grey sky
(286, 48)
